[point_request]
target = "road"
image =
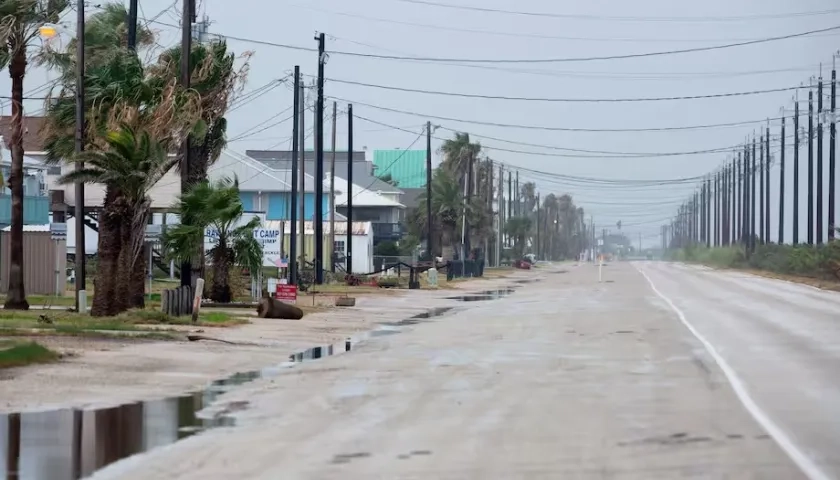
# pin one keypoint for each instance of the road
(660, 372)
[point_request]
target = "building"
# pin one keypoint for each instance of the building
(36, 202)
(407, 168)
(384, 213)
(374, 200)
(362, 238)
(264, 188)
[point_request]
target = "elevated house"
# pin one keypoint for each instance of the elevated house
(385, 213)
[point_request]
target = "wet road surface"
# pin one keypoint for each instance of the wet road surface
(565, 378)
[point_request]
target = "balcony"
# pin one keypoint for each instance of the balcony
(36, 210)
(387, 232)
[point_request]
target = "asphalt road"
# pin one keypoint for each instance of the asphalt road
(699, 375)
(780, 343)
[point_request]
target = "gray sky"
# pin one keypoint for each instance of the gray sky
(295, 22)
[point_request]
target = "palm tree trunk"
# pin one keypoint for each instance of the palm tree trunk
(106, 301)
(222, 261)
(16, 298)
(137, 288)
(124, 261)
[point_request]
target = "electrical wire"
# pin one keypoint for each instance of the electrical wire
(524, 60)
(509, 34)
(567, 100)
(553, 128)
(765, 16)
(600, 154)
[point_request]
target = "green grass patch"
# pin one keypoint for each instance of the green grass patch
(21, 354)
(133, 321)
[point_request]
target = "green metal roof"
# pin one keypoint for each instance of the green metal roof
(407, 167)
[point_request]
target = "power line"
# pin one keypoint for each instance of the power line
(552, 128)
(567, 100)
(510, 34)
(532, 60)
(623, 18)
(606, 154)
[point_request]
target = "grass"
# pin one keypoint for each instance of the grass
(68, 323)
(18, 354)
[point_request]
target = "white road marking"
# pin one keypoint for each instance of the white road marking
(805, 463)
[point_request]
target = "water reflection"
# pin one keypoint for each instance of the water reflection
(70, 444)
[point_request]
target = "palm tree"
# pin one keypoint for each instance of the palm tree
(20, 21)
(131, 165)
(216, 81)
(216, 206)
(447, 208)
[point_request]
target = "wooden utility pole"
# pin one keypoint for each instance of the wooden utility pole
(79, 209)
(332, 193)
(430, 250)
(302, 133)
(186, 148)
(293, 204)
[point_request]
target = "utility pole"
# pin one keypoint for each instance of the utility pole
(511, 213)
(132, 24)
(810, 167)
(538, 228)
(738, 200)
(470, 184)
(725, 193)
(349, 247)
(319, 165)
(294, 200)
(490, 187)
(79, 209)
(709, 211)
(500, 203)
(518, 203)
(761, 161)
(429, 229)
(717, 209)
(186, 148)
(733, 203)
(832, 152)
(302, 134)
(767, 183)
(745, 231)
(820, 218)
(796, 171)
(752, 199)
(332, 192)
(782, 187)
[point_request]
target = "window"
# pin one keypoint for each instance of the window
(338, 246)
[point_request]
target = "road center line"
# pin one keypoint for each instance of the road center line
(805, 463)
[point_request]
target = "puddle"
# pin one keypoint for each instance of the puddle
(484, 296)
(419, 318)
(69, 444)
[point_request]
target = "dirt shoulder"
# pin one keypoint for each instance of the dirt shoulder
(112, 370)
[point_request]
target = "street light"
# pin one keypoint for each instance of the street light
(48, 30)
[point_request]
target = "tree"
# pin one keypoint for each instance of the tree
(447, 207)
(20, 21)
(215, 206)
(519, 228)
(131, 165)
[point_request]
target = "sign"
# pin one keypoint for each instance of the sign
(270, 239)
(286, 293)
(58, 231)
(153, 233)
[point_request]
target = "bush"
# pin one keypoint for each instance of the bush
(814, 261)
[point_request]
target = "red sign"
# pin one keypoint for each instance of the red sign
(286, 293)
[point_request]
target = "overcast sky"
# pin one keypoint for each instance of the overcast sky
(596, 30)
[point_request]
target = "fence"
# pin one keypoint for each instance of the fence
(44, 263)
